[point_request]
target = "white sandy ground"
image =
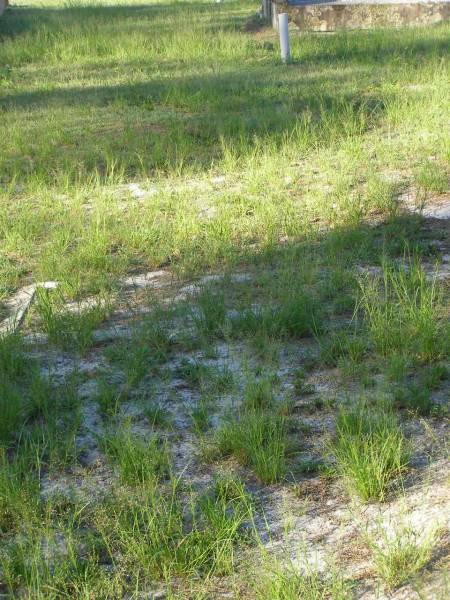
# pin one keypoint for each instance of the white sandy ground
(309, 522)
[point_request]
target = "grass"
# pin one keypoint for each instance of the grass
(19, 492)
(199, 375)
(11, 407)
(296, 316)
(166, 109)
(257, 440)
(139, 461)
(159, 535)
(402, 555)
(69, 329)
(403, 312)
(109, 398)
(285, 582)
(370, 450)
(148, 346)
(137, 137)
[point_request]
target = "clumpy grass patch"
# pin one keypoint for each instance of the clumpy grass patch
(370, 451)
(69, 329)
(13, 362)
(157, 414)
(403, 313)
(148, 346)
(109, 397)
(285, 582)
(199, 375)
(209, 315)
(70, 573)
(139, 460)
(413, 389)
(296, 315)
(19, 491)
(158, 534)
(257, 440)
(401, 554)
(11, 409)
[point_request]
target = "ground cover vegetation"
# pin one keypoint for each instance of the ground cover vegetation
(271, 398)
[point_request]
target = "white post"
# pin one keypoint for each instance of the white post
(283, 26)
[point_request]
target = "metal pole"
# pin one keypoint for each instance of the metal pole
(283, 26)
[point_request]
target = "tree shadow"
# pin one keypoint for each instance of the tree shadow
(170, 117)
(20, 19)
(191, 119)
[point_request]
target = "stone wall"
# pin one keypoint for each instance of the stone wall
(342, 15)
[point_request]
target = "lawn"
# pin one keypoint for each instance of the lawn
(244, 365)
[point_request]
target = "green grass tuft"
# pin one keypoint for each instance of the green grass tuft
(139, 461)
(370, 451)
(400, 555)
(403, 313)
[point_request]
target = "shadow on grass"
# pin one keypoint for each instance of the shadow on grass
(192, 118)
(187, 119)
(20, 19)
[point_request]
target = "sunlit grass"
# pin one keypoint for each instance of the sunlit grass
(97, 96)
